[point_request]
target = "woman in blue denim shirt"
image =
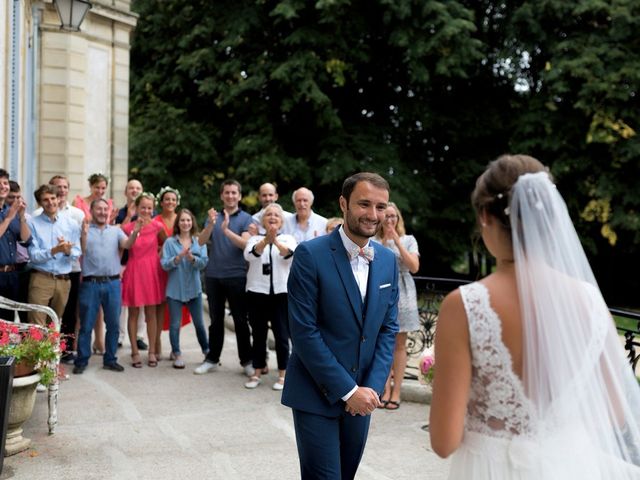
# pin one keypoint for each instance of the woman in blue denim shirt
(183, 258)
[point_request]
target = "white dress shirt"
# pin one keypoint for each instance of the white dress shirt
(316, 227)
(360, 269)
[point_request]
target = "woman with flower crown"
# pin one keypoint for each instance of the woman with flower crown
(531, 380)
(168, 199)
(141, 282)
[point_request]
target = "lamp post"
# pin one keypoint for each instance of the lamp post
(72, 13)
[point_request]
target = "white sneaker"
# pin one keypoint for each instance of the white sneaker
(206, 367)
(253, 383)
(249, 371)
(279, 385)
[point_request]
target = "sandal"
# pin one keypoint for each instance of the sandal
(279, 385)
(253, 382)
(135, 361)
(153, 361)
(383, 403)
(396, 405)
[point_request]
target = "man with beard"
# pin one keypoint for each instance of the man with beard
(343, 293)
(100, 287)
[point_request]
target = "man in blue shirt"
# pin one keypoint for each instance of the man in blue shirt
(226, 276)
(13, 228)
(100, 287)
(55, 246)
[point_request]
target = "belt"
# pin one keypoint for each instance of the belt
(62, 276)
(97, 279)
(7, 268)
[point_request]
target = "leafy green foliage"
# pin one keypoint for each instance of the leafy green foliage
(423, 92)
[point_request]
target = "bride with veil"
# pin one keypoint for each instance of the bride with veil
(531, 380)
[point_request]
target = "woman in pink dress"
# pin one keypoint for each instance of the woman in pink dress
(98, 184)
(168, 199)
(141, 282)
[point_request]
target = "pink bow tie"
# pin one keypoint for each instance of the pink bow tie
(365, 252)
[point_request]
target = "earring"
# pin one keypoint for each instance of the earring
(483, 224)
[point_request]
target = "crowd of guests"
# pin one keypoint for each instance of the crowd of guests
(99, 266)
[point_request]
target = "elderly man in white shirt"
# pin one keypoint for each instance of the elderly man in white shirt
(305, 224)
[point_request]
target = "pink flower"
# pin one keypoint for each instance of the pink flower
(36, 334)
(427, 367)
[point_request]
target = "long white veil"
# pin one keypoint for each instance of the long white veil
(584, 397)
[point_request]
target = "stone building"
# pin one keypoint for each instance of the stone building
(64, 96)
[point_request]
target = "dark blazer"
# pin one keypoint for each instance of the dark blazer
(338, 342)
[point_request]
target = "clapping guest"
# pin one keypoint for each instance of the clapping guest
(305, 224)
(393, 236)
(128, 213)
(100, 288)
(125, 215)
(267, 194)
(69, 320)
(55, 246)
(13, 229)
(141, 286)
(168, 199)
(98, 184)
(183, 258)
(269, 258)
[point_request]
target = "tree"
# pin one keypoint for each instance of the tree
(423, 92)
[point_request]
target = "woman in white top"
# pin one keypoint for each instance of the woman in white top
(269, 258)
(531, 381)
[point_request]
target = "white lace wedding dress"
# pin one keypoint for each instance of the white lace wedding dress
(502, 438)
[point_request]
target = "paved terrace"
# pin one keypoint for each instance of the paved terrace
(162, 423)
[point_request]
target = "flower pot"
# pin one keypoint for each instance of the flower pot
(23, 398)
(23, 369)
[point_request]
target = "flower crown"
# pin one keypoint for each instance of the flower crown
(166, 189)
(148, 195)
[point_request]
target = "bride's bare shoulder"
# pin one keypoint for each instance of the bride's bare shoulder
(452, 309)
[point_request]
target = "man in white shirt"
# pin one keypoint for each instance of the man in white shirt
(305, 224)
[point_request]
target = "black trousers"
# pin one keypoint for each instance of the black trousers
(8, 289)
(220, 290)
(265, 309)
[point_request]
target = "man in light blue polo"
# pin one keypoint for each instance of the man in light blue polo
(100, 287)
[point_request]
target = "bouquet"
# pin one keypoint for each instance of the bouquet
(426, 366)
(32, 345)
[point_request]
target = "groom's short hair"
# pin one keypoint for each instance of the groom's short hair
(373, 178)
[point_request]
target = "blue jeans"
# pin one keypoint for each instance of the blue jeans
(92, 296)
(175, 317)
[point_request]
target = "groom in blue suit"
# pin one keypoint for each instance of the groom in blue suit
(343, 295)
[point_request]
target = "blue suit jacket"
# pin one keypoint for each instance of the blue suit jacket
(338, 342)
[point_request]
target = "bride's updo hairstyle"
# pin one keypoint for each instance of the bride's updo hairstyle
(493, 188)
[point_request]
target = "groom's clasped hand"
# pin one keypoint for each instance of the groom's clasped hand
(363, 402)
